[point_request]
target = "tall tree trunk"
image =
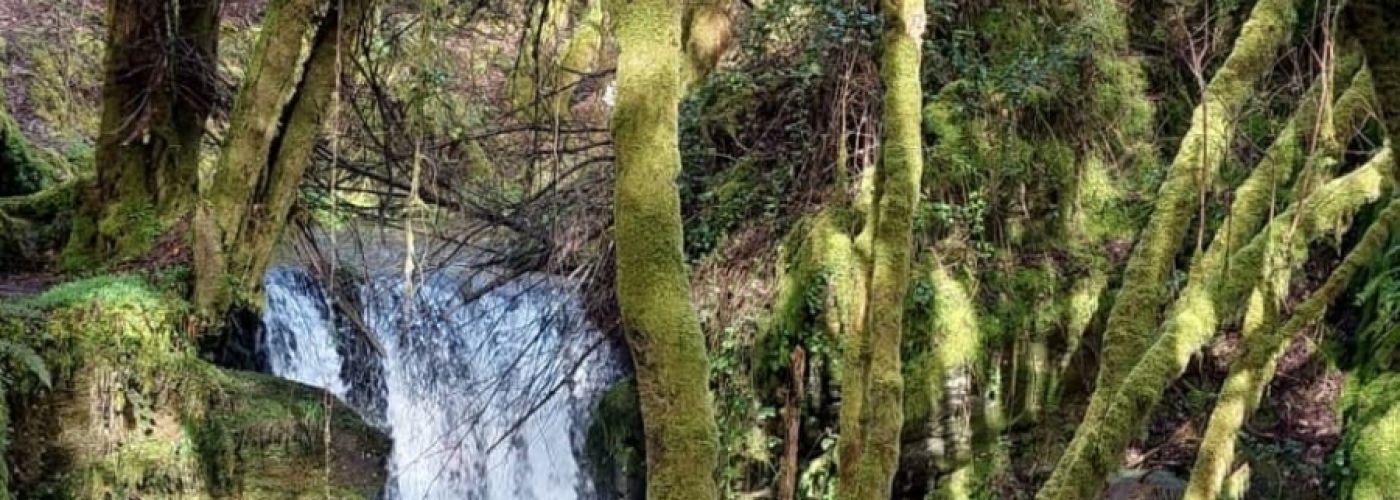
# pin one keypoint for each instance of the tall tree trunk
(653, 291)
(158, 90)
(277, 120)
(869, 459)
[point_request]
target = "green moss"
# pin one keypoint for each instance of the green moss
(1217, 288)
(1132, 321)
(22, 170)
(1252, 371)
(870, 454)
(134, 412)
(1251, 374)
(653, 290)
(817, 300)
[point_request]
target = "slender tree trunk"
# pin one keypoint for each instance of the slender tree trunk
(792, 421)
(653, 291)
(159, 88)
(869, 459)
(277, 121)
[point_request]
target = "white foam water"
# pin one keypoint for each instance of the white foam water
(485, 397)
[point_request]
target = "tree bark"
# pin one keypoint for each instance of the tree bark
(1374, 23)
(870, 453)
(158, 90)
(653, 290)
(277, 121)
(792, 422)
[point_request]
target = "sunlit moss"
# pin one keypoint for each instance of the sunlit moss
(1135, 313)
(1241, 390)
(653, 290)
(1372, 440)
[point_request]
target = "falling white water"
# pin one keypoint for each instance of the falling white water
(484, 399)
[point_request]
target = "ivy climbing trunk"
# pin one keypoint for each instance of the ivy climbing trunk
(1136, 312)
(653, 290)
(871, 454)
(159, 88)
(277, 121)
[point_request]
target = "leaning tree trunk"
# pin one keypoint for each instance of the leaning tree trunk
(1136, 311)
(277, 121)
(1216, 453)
(159, 88)
(870, 454)
(653, 291)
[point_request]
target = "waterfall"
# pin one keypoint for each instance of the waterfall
(484, 399)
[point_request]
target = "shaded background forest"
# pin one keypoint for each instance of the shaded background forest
(1049, 130)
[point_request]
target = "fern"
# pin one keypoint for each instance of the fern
(27, 358)
(1379, 299)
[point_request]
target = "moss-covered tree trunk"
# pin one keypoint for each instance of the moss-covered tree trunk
(1247, 378)
(707, 35)
(653, 290)
(870, 454)
(1374, 23)
(277, 120)
(1136, 312)
(159, 88)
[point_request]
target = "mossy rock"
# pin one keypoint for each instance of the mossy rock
(34, 227)
(22, 169)
(133, 413)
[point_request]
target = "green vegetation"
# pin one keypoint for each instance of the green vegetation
(133, 412)
(899, 250)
